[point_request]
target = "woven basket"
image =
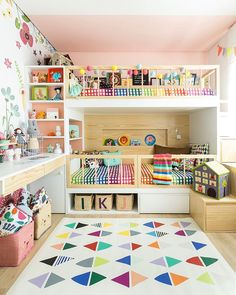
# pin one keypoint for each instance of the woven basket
(103, 202)
(124, 202)
(83, 202)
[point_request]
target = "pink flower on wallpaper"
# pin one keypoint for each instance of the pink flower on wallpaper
(7, 63)
(25, 35)
(18, 44)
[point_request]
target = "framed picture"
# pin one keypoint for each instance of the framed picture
(137, 79)
(55, 75)
(74, 131)
(52, 113)
(117, 78)
(39, 93)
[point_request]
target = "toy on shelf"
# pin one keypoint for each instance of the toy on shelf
(211, 179)
(58, 130)
(57, 95)
(10, 154)
(57, 149)
(33, 130)
(42, 78)
(51, 133)
(35, 77)
(135, 142)
(55, 75)
(17, 154)
(33, 114)
(74, 131)
(50, 148)
(109, 142)
(40, 115)
(20, 137)
(75, 88)
(150, 140)
(124, 140)
(52, 113)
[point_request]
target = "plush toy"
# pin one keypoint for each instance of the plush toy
(40, 115)
(33, 114)
(33, 130)
(20, 137)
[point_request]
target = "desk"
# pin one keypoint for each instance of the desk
(17, 174)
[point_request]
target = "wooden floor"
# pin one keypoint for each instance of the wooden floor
(224, 242)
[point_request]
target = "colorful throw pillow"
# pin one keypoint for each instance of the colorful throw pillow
(12, 219)
(38, 200)
(24, 202)
(112, 162)
(92, 160)
(199, 149)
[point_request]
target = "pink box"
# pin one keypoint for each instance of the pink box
(14, 248)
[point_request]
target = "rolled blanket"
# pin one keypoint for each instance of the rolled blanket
(162, 169)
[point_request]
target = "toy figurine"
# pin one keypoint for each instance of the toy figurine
(50, 148)
(57, 96)
(72, 134)
(33, 115)
(20, 137)
(58, 130)
(58, 149)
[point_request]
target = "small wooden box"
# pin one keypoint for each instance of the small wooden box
(14, 248)
(103, 202)
(213, 215)
(83, 202)
(124, 202)
(43, 220)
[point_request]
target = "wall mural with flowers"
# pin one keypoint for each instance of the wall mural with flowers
(21, 44)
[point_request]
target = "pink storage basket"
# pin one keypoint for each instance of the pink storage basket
(14, 248)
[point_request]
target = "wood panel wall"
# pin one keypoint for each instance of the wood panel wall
(162, 125)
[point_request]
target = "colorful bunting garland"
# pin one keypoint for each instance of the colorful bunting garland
(228, 51)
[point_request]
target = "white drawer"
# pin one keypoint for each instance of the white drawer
(163, 203)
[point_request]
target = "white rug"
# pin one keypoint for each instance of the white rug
(127, 256)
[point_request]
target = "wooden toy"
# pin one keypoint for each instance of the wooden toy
(211, 179)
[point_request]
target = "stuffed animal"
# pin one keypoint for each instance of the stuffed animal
(20, 137)
(41, 115)
(33, 130)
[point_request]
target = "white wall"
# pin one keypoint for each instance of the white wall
(227, 83)
(202, 128)
(16, 57)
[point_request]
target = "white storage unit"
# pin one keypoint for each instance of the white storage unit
(164, 201)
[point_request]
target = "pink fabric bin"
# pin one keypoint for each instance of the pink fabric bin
(14, 248)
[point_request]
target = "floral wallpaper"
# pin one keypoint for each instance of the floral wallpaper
(21, 44)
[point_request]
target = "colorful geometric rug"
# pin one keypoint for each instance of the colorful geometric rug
(127, 256)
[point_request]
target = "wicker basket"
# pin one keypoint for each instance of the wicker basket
(124, 202)
(42, 220)
(103, 202)
(83, 202)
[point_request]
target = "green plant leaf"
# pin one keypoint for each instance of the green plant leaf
(8, 92)
(17, 23)
(10, 219)
(3, 91)
(25, 18)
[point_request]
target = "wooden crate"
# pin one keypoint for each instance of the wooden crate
(103, 202)
(43, 220)
(124, 202)
(83, 202)
(213, 215)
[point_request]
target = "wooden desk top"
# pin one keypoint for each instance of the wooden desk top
(225, 200)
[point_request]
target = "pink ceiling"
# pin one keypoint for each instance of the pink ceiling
(133, 33)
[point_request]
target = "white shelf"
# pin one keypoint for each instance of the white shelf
(55, 137)
(44, 67)
(46, 84)
(46, 101)
(47, 120)
(76, 138)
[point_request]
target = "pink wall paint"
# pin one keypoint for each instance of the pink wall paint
(132, 58)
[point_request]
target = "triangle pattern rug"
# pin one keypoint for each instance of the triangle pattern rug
(126, 256)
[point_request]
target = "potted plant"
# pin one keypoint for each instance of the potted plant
(11, 110)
